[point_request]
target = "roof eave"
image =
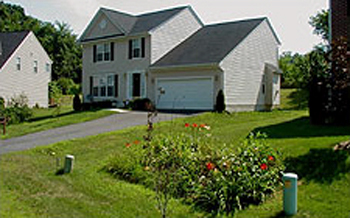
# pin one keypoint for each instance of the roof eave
(186, 66)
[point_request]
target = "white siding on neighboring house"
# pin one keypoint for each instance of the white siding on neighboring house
(170, 34)
(244, 69)
(34, 85)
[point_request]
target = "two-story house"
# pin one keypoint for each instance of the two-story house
(172, 58)
(25, 68)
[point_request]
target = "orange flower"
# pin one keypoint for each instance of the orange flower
(187, 125)
(263, 166)
(202, 125)
(127, 145)
(271, 158)
(210, 166)
(195, 125)
(136, 142)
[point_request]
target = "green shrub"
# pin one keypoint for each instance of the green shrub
(189, 166)
(141, 104)
(220, 102)
(18, 110)
(76, 103)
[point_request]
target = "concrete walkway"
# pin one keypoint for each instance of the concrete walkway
(80, 130)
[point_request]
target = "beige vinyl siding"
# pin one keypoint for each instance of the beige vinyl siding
(121, 65)
(244, 69)
(96, 31)
(14, 82)
(170, 34)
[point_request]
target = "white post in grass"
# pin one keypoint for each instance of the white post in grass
(68, 163)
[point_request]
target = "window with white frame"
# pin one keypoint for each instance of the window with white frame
(110, 86)
(105, 86)
(137, 48)
(95, 86)
(47, 67)
(103, 52)
(18, 63)
(35, 66)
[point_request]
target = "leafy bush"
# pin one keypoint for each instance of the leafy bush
(220, 102)
(17, 109)
(76, 103)
(188, 166)
(140, 104)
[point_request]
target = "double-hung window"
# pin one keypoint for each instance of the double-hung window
(104, 86)
(110, 86)
(18, 63)
(103, 52)
(137, 48)
(35, 66)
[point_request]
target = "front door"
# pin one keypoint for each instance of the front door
(136, 82)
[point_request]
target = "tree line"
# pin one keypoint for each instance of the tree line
(57, 39)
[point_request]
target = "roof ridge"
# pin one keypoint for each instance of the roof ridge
(117, 11)
(163, 10)
(236, 21)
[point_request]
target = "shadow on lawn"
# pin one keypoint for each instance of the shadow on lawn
(59, 115)
(301, 127)
(319, 165)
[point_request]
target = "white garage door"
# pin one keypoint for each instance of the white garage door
(185, 94)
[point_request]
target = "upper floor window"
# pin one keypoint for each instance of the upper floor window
(103, 52)
(137, 48)
(18, 63)
(47, 67)
(35, 65)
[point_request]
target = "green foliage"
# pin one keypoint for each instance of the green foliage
(57, 39)
(55, 93)
(17, 110)
(188, 166)
(320, 23)
(220, 102)
(68, 86)
(76, 103)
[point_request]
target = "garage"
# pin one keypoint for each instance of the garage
(185, 93)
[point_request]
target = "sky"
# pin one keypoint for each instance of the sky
(288, 17)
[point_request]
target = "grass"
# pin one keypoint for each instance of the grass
(43, 119)
(28, 180)
(29, 186)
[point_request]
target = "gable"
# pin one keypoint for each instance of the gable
(9, 42)
(209, 45)
(102, 26)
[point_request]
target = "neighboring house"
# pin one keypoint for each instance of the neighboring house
(25, 68)
(170, 57)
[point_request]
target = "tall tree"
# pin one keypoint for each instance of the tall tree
(320, 23)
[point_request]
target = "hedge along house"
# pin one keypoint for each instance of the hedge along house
(170, 57)
(25, 68)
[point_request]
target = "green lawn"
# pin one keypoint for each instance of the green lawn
(43, 119)
(30, 188)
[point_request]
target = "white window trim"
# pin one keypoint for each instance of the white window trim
(18, 63)
(104, 45)
(106, 86)
(36, 66)
(139, 40)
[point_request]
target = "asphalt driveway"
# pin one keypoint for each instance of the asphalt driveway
(80, 130)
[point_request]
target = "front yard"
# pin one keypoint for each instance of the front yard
(48, 118)
(30, 188)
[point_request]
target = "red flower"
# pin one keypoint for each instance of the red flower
(210, 166)
(136, 142)
(187, 125)
(263, 166)
(271, 158)
(127, 145)
(195, 125)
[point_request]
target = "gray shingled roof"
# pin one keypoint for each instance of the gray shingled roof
(9, 41)
(209, 45)
(148, 21)
(131, 24)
